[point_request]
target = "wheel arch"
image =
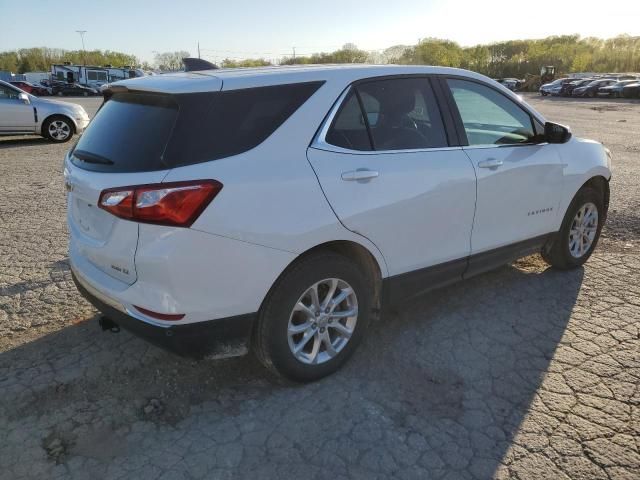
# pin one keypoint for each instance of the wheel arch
(54, 115)
(597, 179)
(373, 265)
(599, 182)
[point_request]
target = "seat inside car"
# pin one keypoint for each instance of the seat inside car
(395, 129)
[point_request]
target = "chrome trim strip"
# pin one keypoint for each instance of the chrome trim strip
(503, 145)
(322, 133)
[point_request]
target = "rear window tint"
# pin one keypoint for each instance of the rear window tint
(145, 132)
(348, 129)
(129, 134)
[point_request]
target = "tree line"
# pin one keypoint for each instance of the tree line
(41, 59)
(514, 58)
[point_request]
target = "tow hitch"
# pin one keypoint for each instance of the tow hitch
(108, 324)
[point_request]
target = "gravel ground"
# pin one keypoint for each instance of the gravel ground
(523, 373)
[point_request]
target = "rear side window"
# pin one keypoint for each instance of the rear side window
(144, 132)
(233, 122)
(348, 129)
(400, 114)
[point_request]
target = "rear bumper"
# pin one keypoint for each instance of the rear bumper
(223, 337)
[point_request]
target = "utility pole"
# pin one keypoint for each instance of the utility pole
(294, 54)
(84, 54)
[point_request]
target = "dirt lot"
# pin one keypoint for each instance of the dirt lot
(521, 373)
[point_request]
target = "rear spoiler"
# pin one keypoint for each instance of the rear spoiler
(108, 92)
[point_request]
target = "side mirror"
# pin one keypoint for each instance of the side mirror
(556, 133)
(24, 98)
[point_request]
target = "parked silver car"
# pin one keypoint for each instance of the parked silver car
(22, 113)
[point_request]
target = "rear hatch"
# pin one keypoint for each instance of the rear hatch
(124, 145)
(129, 142)
(138, 136)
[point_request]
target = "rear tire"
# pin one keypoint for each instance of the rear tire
(295, 337)
(580, 231)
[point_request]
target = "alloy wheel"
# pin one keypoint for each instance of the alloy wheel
(322, 321)
(59, 130)
(584, 227)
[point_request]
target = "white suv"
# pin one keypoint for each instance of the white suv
(281, 208)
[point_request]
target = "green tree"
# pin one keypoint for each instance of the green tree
(170, 61)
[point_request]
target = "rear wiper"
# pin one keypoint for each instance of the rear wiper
(91, 157)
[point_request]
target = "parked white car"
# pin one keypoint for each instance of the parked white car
(281, 208)
(22, 113)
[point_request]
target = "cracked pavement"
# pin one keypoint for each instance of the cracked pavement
(524, 372)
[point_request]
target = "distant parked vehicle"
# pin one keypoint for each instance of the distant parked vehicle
(591, 89)
(554, 87)
(76, 89)
(54, 85)
(23, 114)
(568, 88)
(615, 90)
(512, 84)
(632, 90)
(38, 90)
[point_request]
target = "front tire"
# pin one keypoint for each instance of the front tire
(314, 317)
(58, 129)
(580, 231)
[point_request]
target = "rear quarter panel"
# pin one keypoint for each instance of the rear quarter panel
(271, 196)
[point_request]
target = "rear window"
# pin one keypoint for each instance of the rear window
(135, 132)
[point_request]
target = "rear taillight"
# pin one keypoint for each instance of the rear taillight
(176, 204)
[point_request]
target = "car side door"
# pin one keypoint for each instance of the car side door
(388, 171)
(519, 175)
(16, 115)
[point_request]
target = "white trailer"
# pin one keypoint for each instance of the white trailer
(93, 76)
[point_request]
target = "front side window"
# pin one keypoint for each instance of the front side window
(399, 114)
(490, 118)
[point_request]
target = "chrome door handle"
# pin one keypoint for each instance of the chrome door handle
(490, 163)
(360, 174)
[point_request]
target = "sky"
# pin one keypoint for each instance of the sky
(272, 28)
